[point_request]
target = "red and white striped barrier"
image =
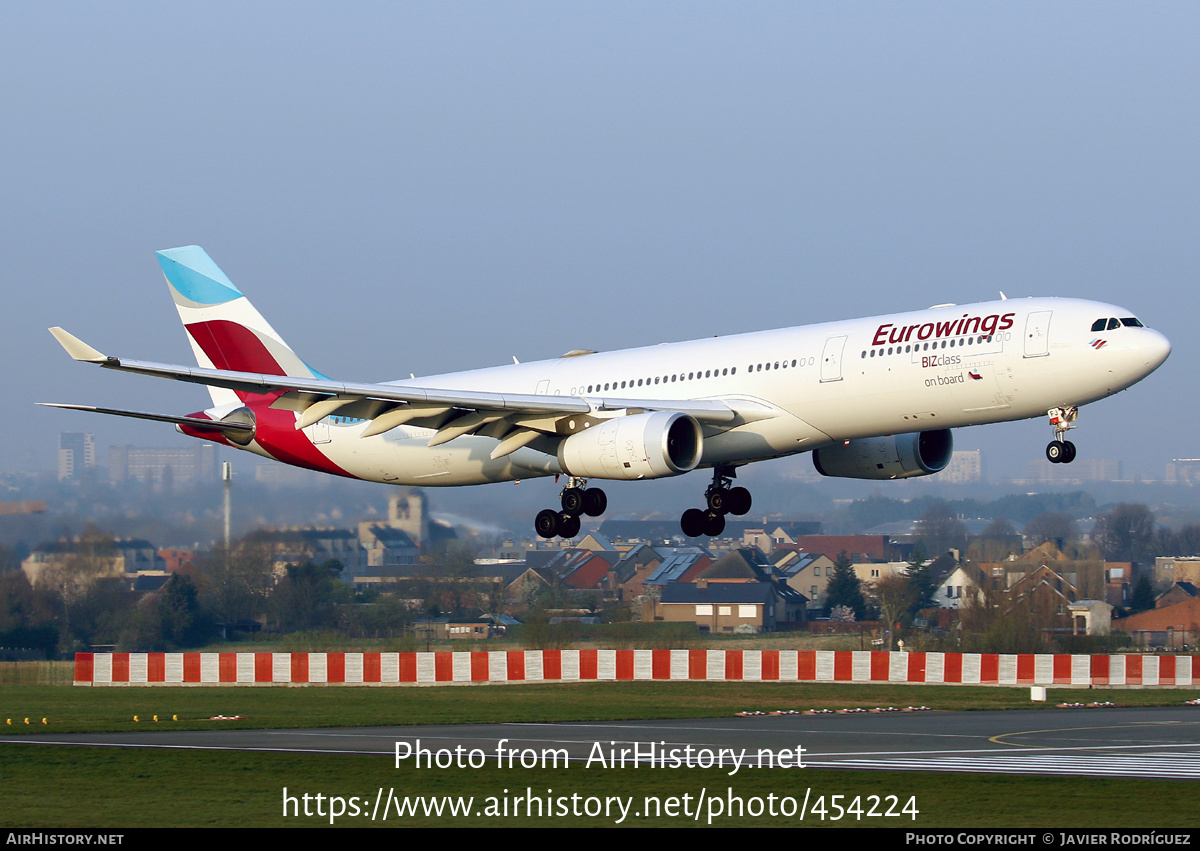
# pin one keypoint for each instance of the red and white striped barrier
(505, 666)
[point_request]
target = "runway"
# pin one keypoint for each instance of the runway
(1152, 743)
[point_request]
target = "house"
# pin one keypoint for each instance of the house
(1171, 569)
(1180, 592)
(745, 564)
(93, 559)
(728, 607)
(1176, 627)
(387, 546)
(675, 564)
(769, 536)
(960, 585)
(296, 546)
(857, 547)
(807, 573)
(1089, 578)
(636, 566)
(464, 629)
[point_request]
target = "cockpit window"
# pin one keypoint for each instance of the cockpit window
(1113, 324)
(1099, 324)
(1131, 322)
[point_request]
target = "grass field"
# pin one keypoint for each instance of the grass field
(96, 787)
(100, 709)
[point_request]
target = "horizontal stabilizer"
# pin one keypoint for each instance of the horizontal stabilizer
(194, 422)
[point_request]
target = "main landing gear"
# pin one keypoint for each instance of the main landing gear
(576, 498)
(722, 499)
(1061, 451)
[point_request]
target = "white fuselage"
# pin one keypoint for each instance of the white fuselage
(803, 388)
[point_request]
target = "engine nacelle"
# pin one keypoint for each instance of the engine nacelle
(640, 446)
(900, 456)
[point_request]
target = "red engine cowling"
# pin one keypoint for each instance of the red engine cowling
(640, 446)
(900, 456)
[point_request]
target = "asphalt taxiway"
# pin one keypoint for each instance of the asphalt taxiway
(1110, 742)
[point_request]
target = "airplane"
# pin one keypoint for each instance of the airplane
(873, 398)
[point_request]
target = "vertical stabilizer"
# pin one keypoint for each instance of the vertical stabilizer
(225, 330)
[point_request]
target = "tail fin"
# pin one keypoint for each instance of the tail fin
(225, 330)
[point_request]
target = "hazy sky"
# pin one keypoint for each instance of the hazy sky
(419, 187)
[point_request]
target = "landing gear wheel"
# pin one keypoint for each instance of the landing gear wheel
(595, 502)
(738, 501)
(546, 523)
(692, 523)
(1061, 450)
(568, 525)
(722, 498)
(573, 501)
(714, 523)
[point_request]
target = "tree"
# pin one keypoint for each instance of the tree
(77, 581)
(940, 530)
(999, 540)
(921, 581)
(993, 621)
(895, 595)
(26, 614)
(842, 614)
(845, 588)
(1185, 542)
(307, 597)
(1055, 526)
(235, 584)
(183, 625)
(999, 528)
(1127, 533)
(1143, 596)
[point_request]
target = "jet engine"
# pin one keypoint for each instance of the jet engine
(899, 456)
(639, 446)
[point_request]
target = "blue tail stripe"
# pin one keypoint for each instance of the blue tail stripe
(195, 276)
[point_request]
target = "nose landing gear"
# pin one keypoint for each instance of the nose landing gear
(721, 499)
(1059, 450)
(576, 499)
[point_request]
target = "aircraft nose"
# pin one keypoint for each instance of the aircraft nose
(1155, 349)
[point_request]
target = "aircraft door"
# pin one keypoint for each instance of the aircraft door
(1037, 334)
(831, 359)
(318, 432)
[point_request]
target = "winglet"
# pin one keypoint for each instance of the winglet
(76, 348)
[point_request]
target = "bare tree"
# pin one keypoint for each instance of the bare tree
(235, 584)
(894, 595)
(1127, 533)
(941, 530)
(1054, 526)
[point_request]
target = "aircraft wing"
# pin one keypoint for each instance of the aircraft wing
(516, 419)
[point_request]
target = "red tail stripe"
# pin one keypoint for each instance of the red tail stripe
(234, 347)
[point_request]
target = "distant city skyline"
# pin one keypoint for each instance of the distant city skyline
(198, 462)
